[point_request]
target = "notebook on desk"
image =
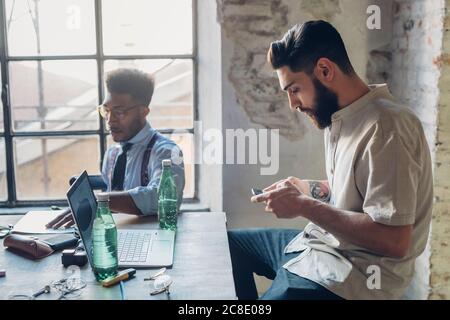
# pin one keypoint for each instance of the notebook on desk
(136, 248)
(33, 222)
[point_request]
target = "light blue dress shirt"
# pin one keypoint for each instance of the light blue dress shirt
(146, 197)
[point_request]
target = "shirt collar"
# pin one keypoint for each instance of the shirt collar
(376, 90)
(142, 136)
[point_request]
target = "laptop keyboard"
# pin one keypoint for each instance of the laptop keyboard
(133, 246)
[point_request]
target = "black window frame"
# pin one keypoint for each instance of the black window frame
(8, 134)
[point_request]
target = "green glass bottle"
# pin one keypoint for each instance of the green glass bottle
(167, 198)
(104, 238)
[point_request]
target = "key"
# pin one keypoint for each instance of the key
(45, 289)
(157, 274)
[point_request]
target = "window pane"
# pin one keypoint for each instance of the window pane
(45, 165)
(3, 188)
(49, 27)
(147, 27)
(186, 143)
(172, 103)
(1, 104)
(60, 95)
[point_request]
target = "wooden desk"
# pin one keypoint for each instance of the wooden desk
(201, 269)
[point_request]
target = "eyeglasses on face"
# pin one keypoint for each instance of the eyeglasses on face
(118, 112)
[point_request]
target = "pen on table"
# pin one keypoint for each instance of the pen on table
(122, 275)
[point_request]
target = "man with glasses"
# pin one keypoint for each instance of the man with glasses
(132, 168)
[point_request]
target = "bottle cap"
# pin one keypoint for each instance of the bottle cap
(103, 196)
(167, 163)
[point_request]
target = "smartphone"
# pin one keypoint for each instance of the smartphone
(256, 191)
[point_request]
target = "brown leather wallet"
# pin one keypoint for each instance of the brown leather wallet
(28, 247)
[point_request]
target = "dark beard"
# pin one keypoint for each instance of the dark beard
(325, 105)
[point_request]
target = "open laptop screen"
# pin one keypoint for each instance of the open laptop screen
(84, 206)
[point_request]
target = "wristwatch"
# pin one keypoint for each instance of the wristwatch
(317, 193)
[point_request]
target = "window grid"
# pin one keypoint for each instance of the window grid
(9, 134)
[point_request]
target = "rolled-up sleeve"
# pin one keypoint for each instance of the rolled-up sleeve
(388, 176)
(146, 198)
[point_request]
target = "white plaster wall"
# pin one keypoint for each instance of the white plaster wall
(209, 35)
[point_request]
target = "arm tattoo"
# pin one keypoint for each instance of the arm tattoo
(319, 191)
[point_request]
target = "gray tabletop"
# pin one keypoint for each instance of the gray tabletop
(201, 269)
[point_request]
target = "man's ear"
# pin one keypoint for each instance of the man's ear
(325, 70)
(146, 111)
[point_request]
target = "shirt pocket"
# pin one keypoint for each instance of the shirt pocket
(298, 244)
(330, 265)
(320, 265)
(296, 260)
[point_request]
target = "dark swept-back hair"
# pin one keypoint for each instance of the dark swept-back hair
(304, 44)
(139, 85)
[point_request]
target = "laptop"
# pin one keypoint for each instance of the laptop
(136, 248)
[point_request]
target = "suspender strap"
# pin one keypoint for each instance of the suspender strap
(146, 158)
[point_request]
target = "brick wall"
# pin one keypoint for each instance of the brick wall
(419, 76)
(416, 66)
(415, 46)
(440, 242)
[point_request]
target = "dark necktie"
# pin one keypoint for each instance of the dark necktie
(119, 169)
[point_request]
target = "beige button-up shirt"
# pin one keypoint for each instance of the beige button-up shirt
(378, 163)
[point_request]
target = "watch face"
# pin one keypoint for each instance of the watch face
(316, 191)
